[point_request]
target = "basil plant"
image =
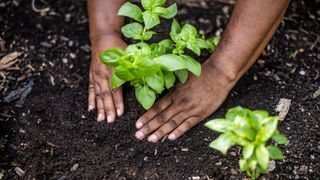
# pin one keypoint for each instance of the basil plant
(152, 68)
(250, 130)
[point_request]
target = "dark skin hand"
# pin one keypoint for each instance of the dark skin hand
(251, 26)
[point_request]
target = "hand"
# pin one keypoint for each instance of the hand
(186, 105)
(108, 102)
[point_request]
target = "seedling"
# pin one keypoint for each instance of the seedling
(151, 68)
(251, 130)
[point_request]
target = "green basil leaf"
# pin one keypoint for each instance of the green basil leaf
(236, 111)
(275, 152)
(169, 79)
(279, 138)
(219, 125)
(223, 143)
(262, 156)
(192, 65)
(201, 43)
(146, 66)
(148, 35)
(170, 12)
(132, 11)
(166, 43)
(110, 56)
(268, 129)
(189, 31)
(245, 132)
(170, 62)
(133, 30)
(160, 10)
(194, 48)
(123, 73)
(248, 151)
(116, 81)
(243, 165)
(182, 75)
(175, 29)
(145, 96)
(156, 82)
(147, 4)
(159, 2)
(150, 19)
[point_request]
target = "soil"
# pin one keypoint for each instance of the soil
(54, 137)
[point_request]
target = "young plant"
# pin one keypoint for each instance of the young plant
(251, 130)
(151, 68)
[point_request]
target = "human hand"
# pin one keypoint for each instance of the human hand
(109, 103)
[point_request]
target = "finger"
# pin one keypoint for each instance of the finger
(100, 107)
(118, 101)
(184, 127)
(158, 120)
(156, 109)
(92, 95)
(107, 98)
(168, 127)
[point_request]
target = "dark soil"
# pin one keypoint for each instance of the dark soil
(54, 131)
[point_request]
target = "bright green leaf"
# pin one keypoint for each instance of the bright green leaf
(150, 19)
(148, 35)
(133, 30)
(245, 132)
(132, 11)
(116, 81)
(171, 11)
(160, 10)
(262, 156)
(145, 96)
(147, 4)
(267, 130)
(219, 125)
(169, 79)
(248, 151)
(170, 62)
(175, 29)
(201, 43)
(166, 43)
(182, 75)
(236, 111)
(280, 139)
(192, 65)
(194, 48)
(110, 56)
(275, 152)
(223, 143)
(156, 82)
(123, 73)
(243, 164)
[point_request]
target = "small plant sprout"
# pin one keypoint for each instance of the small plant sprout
(251, 130)
(151, 68)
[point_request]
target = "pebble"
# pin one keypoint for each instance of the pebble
(74, 167)
(271, 166)
(19, 171)
(303, 169)
(72, 55)
(46, 44)
(234, 172)
(302, 72)
(218, 164)
(65, 60)
(233, 154)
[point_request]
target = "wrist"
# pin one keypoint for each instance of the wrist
(96, 35)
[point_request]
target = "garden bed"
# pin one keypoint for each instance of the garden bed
(54, 137)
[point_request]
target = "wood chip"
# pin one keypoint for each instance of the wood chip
(283, 108)
(316, 94)
(9, 60)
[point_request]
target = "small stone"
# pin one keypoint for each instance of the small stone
(271, 166)
(233, 154)
(46, 44)
(19, 171)
(74, 167)
(67, 17)
(83, 116)
(65, 60)
(316, 94)
(218, 164)
(195, 177)
(303, 169)
(72, 55)
(234, 172)
(302, 72)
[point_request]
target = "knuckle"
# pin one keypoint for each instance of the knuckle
(156, 108)
(106, 94)
(160, 132)
(188, 125)
(173, 122)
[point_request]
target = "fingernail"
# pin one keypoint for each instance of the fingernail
(100, 117)
(172, 136)
(109, 119)
(139, 124)
(118, 112)
(139, 135)
(152, 138)
(90, 108)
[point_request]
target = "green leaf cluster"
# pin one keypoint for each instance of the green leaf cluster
(251, 130)
(152, 68)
